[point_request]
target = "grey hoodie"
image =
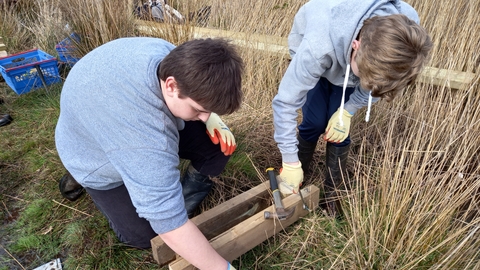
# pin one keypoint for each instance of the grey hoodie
(320, 44)
(115, 128)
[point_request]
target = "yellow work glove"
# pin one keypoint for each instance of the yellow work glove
(220, 133)
(290, 178)
(336, 132)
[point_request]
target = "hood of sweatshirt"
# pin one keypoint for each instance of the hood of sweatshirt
(343, 32)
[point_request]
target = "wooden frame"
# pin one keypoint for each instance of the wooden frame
(218, 219)
(237, 225)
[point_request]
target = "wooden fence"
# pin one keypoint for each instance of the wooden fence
(275, 44)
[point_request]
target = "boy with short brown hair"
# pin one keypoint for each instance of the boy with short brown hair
(129, 111)
(343, 54)
(393, 50)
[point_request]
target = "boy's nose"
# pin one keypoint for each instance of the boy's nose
(204, 116)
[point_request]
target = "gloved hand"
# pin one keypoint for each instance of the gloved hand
(335, 131)
(230, 267)
(290, 178)
(219, 132)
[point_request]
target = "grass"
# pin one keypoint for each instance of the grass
(415, 165)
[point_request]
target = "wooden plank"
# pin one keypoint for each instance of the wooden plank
(219, 219)
(279, 45)
(3, 48)
(241, 238)
(274, 44)
(444, 77)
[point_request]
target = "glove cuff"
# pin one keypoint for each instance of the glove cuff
(288, 166)
(347, 114)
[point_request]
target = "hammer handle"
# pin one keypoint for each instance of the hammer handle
(273, 179)
(277, 199)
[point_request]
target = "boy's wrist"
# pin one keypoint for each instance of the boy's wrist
(292, 163)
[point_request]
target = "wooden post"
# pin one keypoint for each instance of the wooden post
(239, 239)
(3, 48)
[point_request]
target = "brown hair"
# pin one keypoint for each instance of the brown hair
(393, 51)
(209, 71)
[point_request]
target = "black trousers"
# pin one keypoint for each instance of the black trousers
(115, 204)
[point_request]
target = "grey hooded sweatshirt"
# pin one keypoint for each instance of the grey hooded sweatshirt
(320, 44)
(115, 128)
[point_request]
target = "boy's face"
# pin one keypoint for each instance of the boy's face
(184, 108)
(353, 61)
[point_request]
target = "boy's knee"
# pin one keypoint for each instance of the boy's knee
(137, 243)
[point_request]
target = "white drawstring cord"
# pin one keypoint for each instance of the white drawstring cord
(367, 116)
(343, 95)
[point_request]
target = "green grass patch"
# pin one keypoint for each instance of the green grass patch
(414, 163)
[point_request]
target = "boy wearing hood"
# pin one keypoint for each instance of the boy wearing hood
(129, 110)
(345, 55)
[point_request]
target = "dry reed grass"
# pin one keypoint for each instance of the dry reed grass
(415, 164)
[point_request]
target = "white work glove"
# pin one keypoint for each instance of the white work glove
(290, 178)
(337, 131)
(220, 133)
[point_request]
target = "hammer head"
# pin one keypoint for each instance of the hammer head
(280, 213)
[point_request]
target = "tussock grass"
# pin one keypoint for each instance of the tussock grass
(415, 165)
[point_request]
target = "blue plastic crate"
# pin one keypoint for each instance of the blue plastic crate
(29, 70)
(67, 52)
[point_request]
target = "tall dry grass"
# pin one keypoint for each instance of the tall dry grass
(415, 165)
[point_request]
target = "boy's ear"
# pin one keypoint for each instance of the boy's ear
(171, 86)
(356, 45)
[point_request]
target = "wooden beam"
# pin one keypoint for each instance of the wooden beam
(219, 219)
(444, 77)
(236, 241)
(279, 45)
(274, 44)
(3, 48)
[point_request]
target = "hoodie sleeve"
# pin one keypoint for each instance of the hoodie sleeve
(358, 99)
(296, 34)
(301, 75)
(151, 177)
(141, 143)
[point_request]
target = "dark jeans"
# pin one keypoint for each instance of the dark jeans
(115, 204)
(322, 102)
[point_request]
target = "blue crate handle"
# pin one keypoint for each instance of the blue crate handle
(40, 74)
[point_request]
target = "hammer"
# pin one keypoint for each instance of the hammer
(280, 212)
